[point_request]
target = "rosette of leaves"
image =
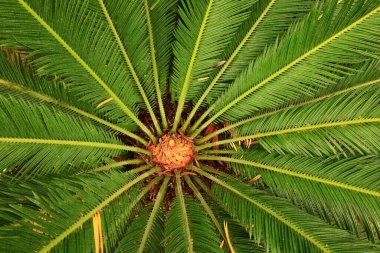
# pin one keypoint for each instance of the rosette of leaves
(275, 104)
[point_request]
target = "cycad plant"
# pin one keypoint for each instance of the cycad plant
(189, 126)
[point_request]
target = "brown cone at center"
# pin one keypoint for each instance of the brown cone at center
(172, 152)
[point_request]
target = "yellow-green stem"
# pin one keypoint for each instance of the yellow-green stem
(157, 204)
(207, 208)
(288, 172)
(74, 143)
(181, 199)
(118, 165)
(186, 84)
(141, 169)
(154, 66)
(290, 130)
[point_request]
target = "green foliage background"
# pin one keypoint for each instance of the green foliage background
(293, 87)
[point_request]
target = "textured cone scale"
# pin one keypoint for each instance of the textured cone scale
(172, 152)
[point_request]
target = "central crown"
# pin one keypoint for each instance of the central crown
(173, 151)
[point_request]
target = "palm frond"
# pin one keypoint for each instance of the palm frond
(345, 206)
(188, 228)
(117, 14)
(266, 215)
(359, 139)
(204, 30)
(18, 80)
(301, 175)
(95, 158)
(147, 230)
(268, 20)
(161, 17)
(134, 234)
(368, 75)
(324, 42)
(51, 39)
(240, 239)
(117, 216)
(33, 136)
(151, 74)
(347, 123)
(45, 225)
(288, 71)
(205, 206)
(334, 109)
(111, 164)
(179, 213)
(86, 236)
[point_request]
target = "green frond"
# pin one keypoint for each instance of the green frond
(204, 30)
(161, 17)
(147, 229)
(152, 230)
(59, 208)
(240, 239)
(347, 123)
(368, 75)
(301, 175)
(205, 206)
(140, 169)
(164, 17)
(313, 54)
(145, 44)
(189, 126)
(341, 196)
(270, 218)
(118, 215)
(117, 14)
(364, 103)
(200, 236)
(113, 164)
(182, 216)
(268, 20)
(132, 40)
(112, 229)
(134, 234)
(74, 44)
(300, 71)
(357, 139)
(358, 104)
(85, 236)
(18, 80)
(33, 137)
